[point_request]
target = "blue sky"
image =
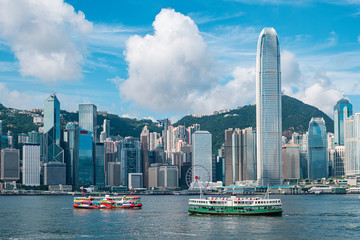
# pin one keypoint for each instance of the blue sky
(162, 59)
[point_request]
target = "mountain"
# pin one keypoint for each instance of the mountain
(296, 116)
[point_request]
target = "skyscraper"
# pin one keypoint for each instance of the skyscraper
(71, 154)
(130, 151)
(342, 110)
(317, 153)
(53, 151)
(201, 154)
(86, 162)
(31, 164)
(88, 118)
(144, 141)
(10, 164)
(268, 109)
(352, 145)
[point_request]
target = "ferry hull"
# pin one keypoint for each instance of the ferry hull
(267, 213)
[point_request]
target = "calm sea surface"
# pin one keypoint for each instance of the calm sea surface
(166, 217)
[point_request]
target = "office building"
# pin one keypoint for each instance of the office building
(291, 161)
(144, 142)
(342, 110)
(168, 176)
(135, 180)
(54, 173)
(88, 118)
(86, 161)
(338, 161)
(53, 151)
(10, 165)
(31, 164)
(114, 174)
(352, 145)
(317, 149)
(130, 152)
(71, 154)
(202, 155)
(100, 164)
(268, 109)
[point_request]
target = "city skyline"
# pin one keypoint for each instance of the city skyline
(107, 63)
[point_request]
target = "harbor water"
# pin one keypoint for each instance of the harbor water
(166, 217)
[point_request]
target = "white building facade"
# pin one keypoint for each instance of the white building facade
(31, 164)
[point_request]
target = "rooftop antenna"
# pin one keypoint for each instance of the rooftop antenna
(342, 91)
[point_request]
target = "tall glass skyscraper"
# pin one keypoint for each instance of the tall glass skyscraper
(53, 151)
(71, 154)
(317, 145)
(268, 109)
(201, 154)
(86, 163)
(52, 117)
(342, 110)
(88, 118)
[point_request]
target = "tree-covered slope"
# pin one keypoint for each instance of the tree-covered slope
(295, 118)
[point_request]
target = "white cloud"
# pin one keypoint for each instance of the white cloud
(14, 99)
(290, 71)
(46, 36)
(169, 67)
(150, 118)
(236, 92)
(315, 87)
(126, 115)
(320, 96)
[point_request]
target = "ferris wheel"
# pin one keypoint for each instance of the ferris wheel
(197, 177)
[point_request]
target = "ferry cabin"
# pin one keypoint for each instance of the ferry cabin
(239, 206)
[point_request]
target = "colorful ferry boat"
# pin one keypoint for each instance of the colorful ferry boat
(235, 206)
(107, 202)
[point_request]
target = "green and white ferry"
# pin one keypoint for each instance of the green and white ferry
(235, 206)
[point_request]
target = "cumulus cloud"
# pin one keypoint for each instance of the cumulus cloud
(173, 69)
(315, 87)
(46, 37)
(290, 71)
(168, 67)
(236, 92)
(14, 98)
(322, 97)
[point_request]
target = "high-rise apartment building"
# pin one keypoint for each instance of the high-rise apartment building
(342, 110)
(31, 164)
(202, 154)
(268, 109)
(317, 149)
(352, 145)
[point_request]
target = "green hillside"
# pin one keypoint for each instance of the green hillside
(295, 118)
